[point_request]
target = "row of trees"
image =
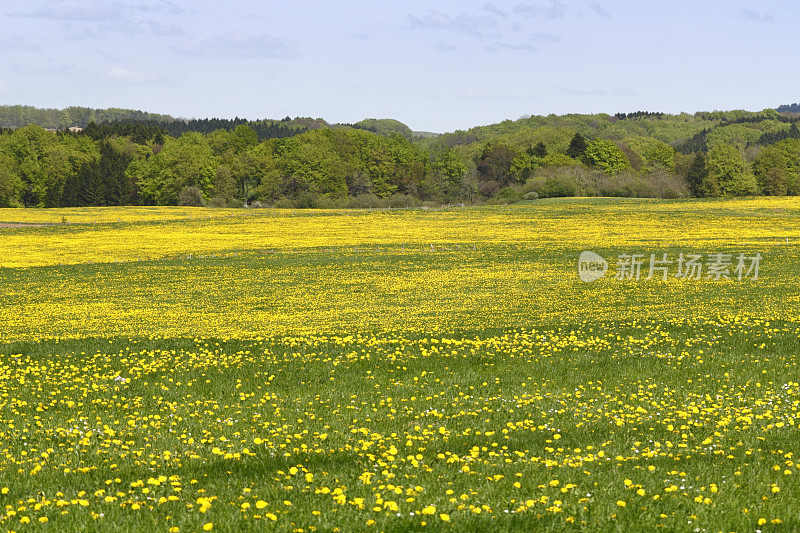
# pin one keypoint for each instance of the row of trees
(140, 163)
(19, 116)
(722, 170)
(44, 169)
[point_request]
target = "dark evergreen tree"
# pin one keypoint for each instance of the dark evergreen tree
(117, 188)
(577, 146)
(92, 185)
(700, 183)
(540, 150)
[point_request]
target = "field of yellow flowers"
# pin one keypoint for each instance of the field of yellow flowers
(179, 369)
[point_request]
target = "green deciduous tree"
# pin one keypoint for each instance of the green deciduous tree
(790, 149)
(606, 156)
(10, 183)
(770, 169)
(727, 166)
(655, 155)
(184, 162)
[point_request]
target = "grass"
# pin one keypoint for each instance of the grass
(367, 383)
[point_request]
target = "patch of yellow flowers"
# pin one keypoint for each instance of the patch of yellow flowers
(335, 371)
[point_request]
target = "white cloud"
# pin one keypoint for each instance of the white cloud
(755, 16)
(463, 22)
(494, 10)
(161, 29)
(160, 5)
(513, 47)
(239, 44)
(599, 10)
(120, 74)
(86, 10)
(544, 36)
(553, 9)
(476, 96)
(617, 91)
(16, 44)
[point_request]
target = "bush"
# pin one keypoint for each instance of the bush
(306, 200)
(489, 188)
(631, 185)
(556, 182)
(627, 185)
(669, 185)
(363, 201)
(401, 200)
(552, 185)
(509, 194)
(217, 201)
(282, 203)
(191, 196)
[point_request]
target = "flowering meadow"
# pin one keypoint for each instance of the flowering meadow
(191, 369)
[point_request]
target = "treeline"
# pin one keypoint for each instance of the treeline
(310, 163)
(19, 116)
(141, 131)
(45, 169)
(114, 121)
(793, 108)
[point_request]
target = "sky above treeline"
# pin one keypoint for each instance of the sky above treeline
(437, 66)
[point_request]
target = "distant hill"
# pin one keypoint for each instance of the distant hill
(793, 108)
(124, 157)
(384, 126)
(120, 121)
(19, 116)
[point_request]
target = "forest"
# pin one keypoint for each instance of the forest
(124, 157)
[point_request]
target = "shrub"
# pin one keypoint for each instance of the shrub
(401, 200)
(549, 184)
(217, 201)
(626, 185)
(509, 194)
(631, 185)
(363, 201)
(191, 196)
(283, 203)
(306, 200)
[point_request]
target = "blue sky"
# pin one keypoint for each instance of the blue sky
(437, 66)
